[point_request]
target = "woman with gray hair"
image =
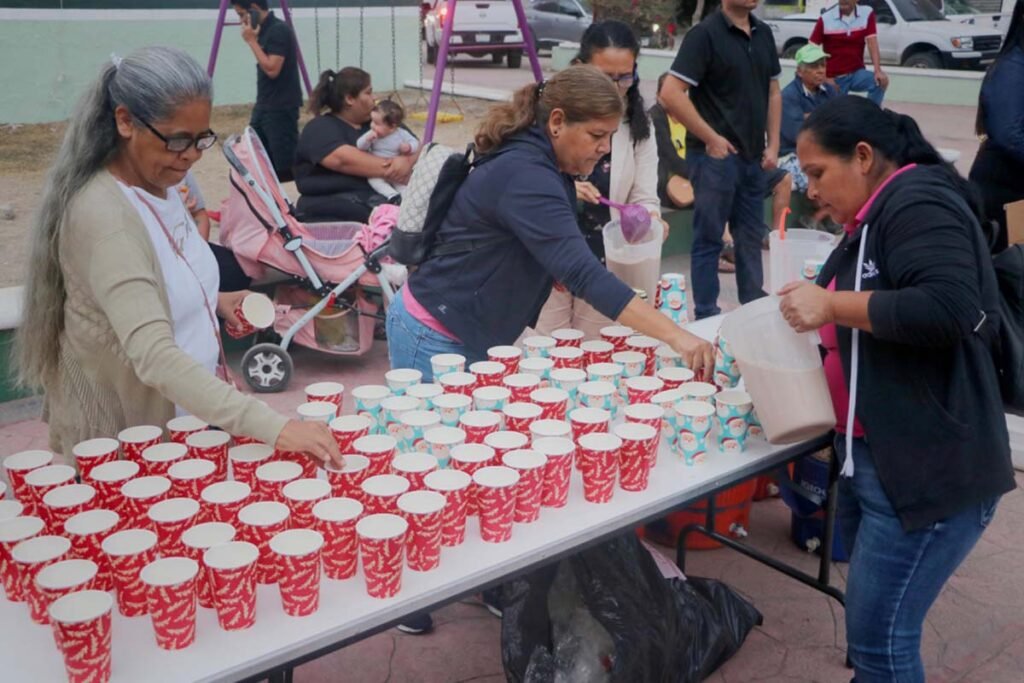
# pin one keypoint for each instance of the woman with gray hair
(121, 302)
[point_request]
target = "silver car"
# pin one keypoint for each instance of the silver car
(555, 21)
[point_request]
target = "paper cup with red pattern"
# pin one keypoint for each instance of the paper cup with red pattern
(538, 346)
(694, 421)
(401, 380)
(169, 519)
(90, 453)
(86, 531)
(568, 337)
(489, 373)
(348, 428)
(157, 459)
(636, 456)
(29, 557)
(530, 464)
(507, 355)
(554, 402)
(520, 415)
(195, 542)
(190, 476)
(538, 367)
(381, 493)
(647, 346)
(425, 393)
(411, 428)
(496, 488)
(441, 440)
(13, 532)
(254, 312)
(134, 440)
(309, 466)
(642, 389)
(128, 551)
(170, 585)
(588, 421)
(331, 392)
(569, 381)
(335, 519)
(542, 429)
(492, 398)
(347, 481)
(596, 351)
(64, 502)
(64, 577)
(273, 476)
(237, 440)
(81, 625)
(301, 496)
(368, 398)
(599, 463)
(458, 383)
(393, 409)
(479, 423)
(139, 495)
(231, 568)
(317, 411)
(504, 441)
(382, 552)
(443, 363)
(297, 552)
(180, 428)
(211, 445)
(666, 357)
(560, 453)
(469, 458)
(257, 524)
(617, 335)
(521, 385)
(566, 357)
(17, 467)
(414, 467)
(454, 485)
(379, 449)
(41, 481)
(674, 377)
(424, 511)
(108, 479)
(222, 501)
(451, 407)
(9, 509)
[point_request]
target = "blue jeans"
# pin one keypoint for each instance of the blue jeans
(728, 190)
(863, 81)
(411, 343)
(894, 575)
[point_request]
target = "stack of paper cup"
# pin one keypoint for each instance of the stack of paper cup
(671, 297)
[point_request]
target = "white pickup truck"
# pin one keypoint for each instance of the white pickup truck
(910, 33)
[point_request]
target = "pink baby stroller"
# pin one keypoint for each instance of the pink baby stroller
(328, 273)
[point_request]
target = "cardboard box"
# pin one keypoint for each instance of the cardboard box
(1015, 222)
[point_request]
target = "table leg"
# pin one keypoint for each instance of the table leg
(281, 675)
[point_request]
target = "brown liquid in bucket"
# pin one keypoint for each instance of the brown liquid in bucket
(792, 405)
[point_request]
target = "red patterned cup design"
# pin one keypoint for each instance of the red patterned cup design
(301, 496)
(189, 477)
(56, 580)
(246, 459)
(158, 458)
(139, 494)
(317, 411)
(424, 512)
(13, 532)
(505, 441)
(519, 416)
(81, 625)
(454, 485)
(470, 458)
(231, 568)
(458, 383)
(642, 389)
(171, 600)
(222, 501)
(170, 519)
(348, 428)
(297, 553)
(347, 482)
(195, 542)
(442, 440)
(211, 445)
(272, 477)
(496, 496)
(599, 463)
(568, 337)
(92, 453)
(254, 311)
(180, 428)
(86, 531)
(597, 351)
(560, 453)
(108, 479)
(18, 466)
(488, 373)
(567, 357)
(379, 449)
(381, 493)
(588, 421)
(41, 481)
(530, 465)
(521, 385)
(479, 423)
(443, 363)
(636, 455)
(553, 402)
(538, 346)
(617, 335)
(128, 552)
(257, 524)
(29, 557)
(309, 466)
(509, 356)
(332, 392)
(335, 519)
(135, 440)
(647, 346)
(382, 550)
(675, 377)
(64, 502)
(414, 467)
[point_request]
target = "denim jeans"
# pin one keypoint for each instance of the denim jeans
(863, 81)
(411, 343)
(894, 575)
(728, 190)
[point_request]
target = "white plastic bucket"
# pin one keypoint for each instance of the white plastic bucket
(788, 255)
(638, 265)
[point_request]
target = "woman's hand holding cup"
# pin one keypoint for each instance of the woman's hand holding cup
(697, 353)
(311, 438)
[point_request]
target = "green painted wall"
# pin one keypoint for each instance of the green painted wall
(49, 55)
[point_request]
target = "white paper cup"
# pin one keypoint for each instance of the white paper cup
(317, 411)
(146, 487)
(258, 310)
(443, 363)
(66, 574)
(265, 513)
(129, 542)
(69, 496)
(324, 391)
(421, 502)
(162, 455)
(204, 536)
(173, 510)
(542, 429)
(698, 391)
(400, 379)
(225, 492)
(9, 509)
(338, 510)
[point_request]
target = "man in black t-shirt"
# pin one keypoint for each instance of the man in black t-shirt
(275, 118)
(726, 93)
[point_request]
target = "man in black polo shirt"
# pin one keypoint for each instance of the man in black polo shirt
(726, 93)
(275, 118)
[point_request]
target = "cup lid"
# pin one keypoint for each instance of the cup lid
(645, 383)
(568, 375)
(626, 357)
(597, 388)
(697, 389)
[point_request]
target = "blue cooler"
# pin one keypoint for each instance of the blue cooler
(807, 528)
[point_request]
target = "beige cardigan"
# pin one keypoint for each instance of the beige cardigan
(119, 365)
(634, 172)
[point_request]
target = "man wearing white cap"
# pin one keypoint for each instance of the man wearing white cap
(808, 91)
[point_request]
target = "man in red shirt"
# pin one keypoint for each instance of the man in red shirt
(842, 31)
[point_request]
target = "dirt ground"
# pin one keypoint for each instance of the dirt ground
(26, 152)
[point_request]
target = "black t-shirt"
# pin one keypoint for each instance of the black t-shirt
(284, 92)
(729, 73)
(593, 217)
(318, 139)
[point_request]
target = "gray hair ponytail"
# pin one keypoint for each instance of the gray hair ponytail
(152, 82)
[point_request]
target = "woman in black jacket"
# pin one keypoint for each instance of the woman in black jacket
(906, 306)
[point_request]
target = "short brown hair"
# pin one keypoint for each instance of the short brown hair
(581, 91)
(391, 112)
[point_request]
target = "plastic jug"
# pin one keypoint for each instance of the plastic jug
(781, 371)
(788, 255)
(639, 264)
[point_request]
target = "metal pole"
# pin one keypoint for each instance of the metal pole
(442, 62)
(286, 12)
(530, 47)
(212, 63)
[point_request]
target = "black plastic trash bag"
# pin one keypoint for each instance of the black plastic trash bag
(607, 614)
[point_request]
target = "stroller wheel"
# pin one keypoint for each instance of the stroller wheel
(267, 368)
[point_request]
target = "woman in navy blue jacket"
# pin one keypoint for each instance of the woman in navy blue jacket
(907, 309)
(519, 211)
